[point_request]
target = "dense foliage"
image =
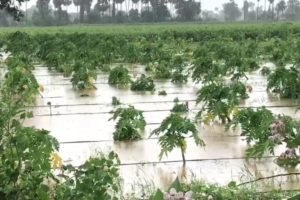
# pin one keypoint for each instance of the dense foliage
(180, 107)
(101, 173)
(220, 100)
(265, 131)
(130, 123)
(143, 83)
(119, 76)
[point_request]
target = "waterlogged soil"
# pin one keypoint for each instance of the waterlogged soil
(82, 126)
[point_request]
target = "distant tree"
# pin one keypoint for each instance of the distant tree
(280, 7)
(84, 6)
(135, 2)
(231, 11)
(42, 17)
(251, 14)
(293, 9)
(121, 17)
(147, 15)
(188, 10)
(60, 13)
(61, 17)
(161, 12)
(120, 3)
(134, 15)
(94, 17)
(246, 10)
(257, 9)
(100, 7)
(3, 18)
(12, 8)
(271, 9)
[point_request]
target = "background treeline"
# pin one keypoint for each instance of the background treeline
(46, 13)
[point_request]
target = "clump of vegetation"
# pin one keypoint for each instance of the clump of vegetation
(115, 101)
(265, 71)
(180, 107)
(20, 60)
(220, 100)
(162, 93)
(84, 79)
(162, 70)
(143, 84)
(119, 76)
(267, 131)
(105, 68)
(285, 82)
(20, 84)
(172, 133)
(179, 64)
(27, 154)
(130, 123)
(179, 77)
(101, 172)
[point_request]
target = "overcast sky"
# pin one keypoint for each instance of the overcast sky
(206, 4)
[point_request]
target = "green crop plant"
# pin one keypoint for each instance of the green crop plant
(130, 123)
(119, 76)
(143, 83)
(173, 132)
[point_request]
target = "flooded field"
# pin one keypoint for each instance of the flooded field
(82, 126)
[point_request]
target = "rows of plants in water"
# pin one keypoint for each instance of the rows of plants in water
(30, 164)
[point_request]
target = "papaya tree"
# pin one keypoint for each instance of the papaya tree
(220, 100)
(130, 122)
(143, 83)
(119, 76)
(173, 132)
(84, 78)
(264, 131)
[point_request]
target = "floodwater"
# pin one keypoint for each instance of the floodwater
(81, 126)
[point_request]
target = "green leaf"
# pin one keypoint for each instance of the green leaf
(176, 185)
(159, 195)
(232, 184)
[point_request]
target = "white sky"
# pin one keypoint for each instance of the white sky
(206, 4)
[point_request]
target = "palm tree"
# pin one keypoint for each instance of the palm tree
(120, 2)
(135, 2)
(257, 9)
(280, 7)
(58, 4)
(84, 5)
(101, 6)
(271, 7)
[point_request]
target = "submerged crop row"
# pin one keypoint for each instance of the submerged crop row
(30, 167)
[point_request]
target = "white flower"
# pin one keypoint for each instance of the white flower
(172, 191)
(166, 196)
(210, 197)
(188, 195)
(179, 195)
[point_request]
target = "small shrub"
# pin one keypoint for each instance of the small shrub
(162, 93)
(84, 78)
(130, 122)
(119, 76)
(115, 101)
(143, 84)
(265, 71)
(97, 178)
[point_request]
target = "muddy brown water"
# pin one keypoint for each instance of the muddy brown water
(81, 125)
